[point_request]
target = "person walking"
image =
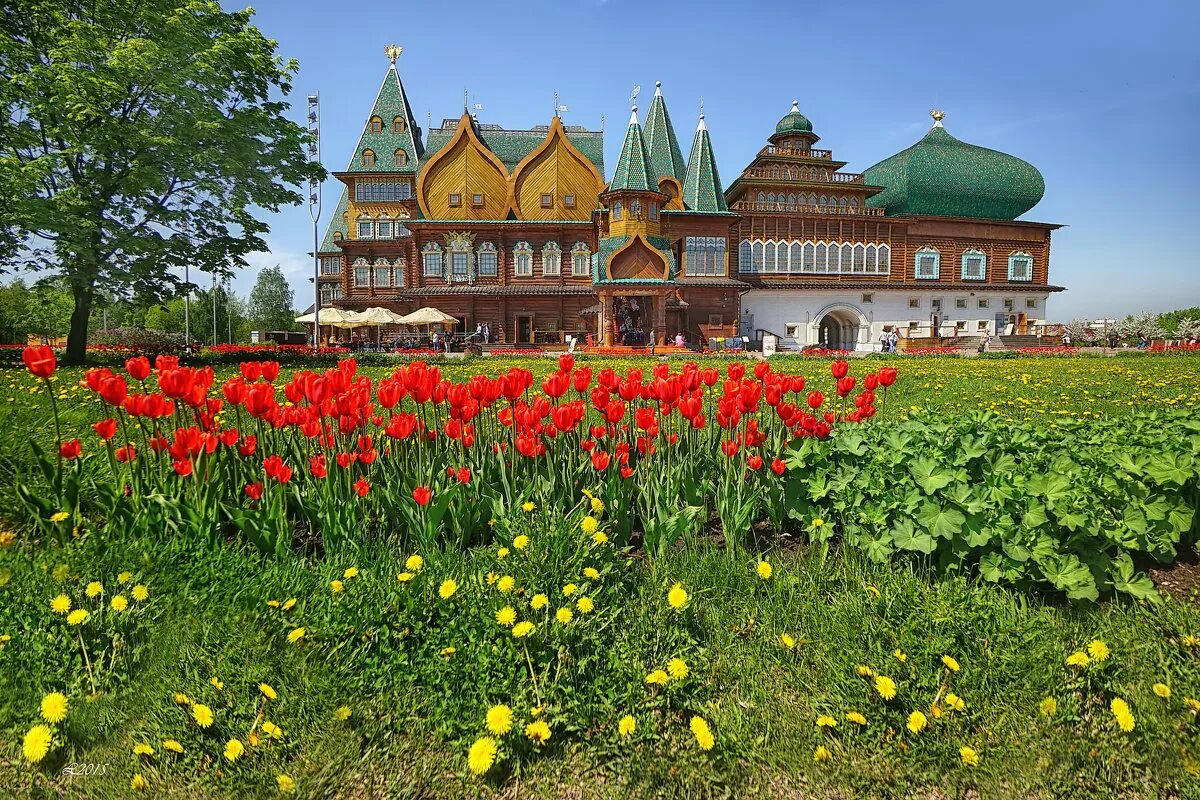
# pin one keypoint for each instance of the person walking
(487, 332)
(1112, 340)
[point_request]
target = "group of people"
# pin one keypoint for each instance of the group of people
(889, 341)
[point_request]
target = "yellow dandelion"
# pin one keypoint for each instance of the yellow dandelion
(589, 525)
(142, 749)
(1123, 715)
(677, 668)
(491, 578)
(764, 570)
(499, 719)
(522, 629)
(1048, 706)
(216, 682)
(285, 784)
(677, 597)
(657, 678)
(955, 702)
(124, 577)
(885, 686)
(600, 537)
(447, 589)
(268, 691)
(787, 641)
(1191, 703)
(506, 584)
(139, 783)
(54, 707)
(342, 713)
(506, 616)
(521, 542)
(539, 601)
(935, 711)
(234, 749)
(94, 589)
(597, 505)
(202, 714)
(704, 737)
(296, 635)
(404, 577)
(569, 589)
(950, 663)
(821, 754)
(36, 743)
(1162, 690)
(917, 722)
(181, 699)
(1190, 640)
(900, 655)
(482, 755)
(856, 718)
(60, 604)
(140, 592)
(6, 539)
(564, 615)
(826, 721)
(585, 605)
(272, 730)
(528, 506)
(1098, 650)
(538, 732)
(172, 745)
(591, 574)
(118, 603)
(337, 587)
(77, 617)
(414, 563)
(627, 725)
(351, 572)
(273, 603)
(1078, 659)
(968, 755)
(59, 516)
(871, 588)
(864, 671)
(502, 552)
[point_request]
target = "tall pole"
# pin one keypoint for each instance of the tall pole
(187, 298)
(228, 313)
(314, 208)
(214, 305)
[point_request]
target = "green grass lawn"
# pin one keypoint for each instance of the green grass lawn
(392, 680)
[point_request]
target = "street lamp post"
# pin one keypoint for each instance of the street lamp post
(314, 208)
(187, 298)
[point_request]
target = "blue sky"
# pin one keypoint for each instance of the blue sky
(1103, 98)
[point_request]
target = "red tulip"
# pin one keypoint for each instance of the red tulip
(422, 494)
(316, 465)
(845, 385)
(887, 376)
(600, 460)
(39, 360)
(778, 467)
(70, 450)
(870, 380)
(183, 467)
(138, 368)
(729, 448)
(463, 475)
(270, 370)
(275, 468)
(254, 491)
(626, 472)
(126, 453)
(251, 370)
(839, 369)
(361, 487)
(105, 429)
(815, 399)
(754, 462)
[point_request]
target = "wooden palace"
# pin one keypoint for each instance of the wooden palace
(519, 232)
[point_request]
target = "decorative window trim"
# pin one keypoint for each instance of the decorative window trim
(616, 210)
(383, 229)
(974, 253)
(522, 260)
(581, 260)
(704, 256)
(1020, 257)
(487, 266)
(551, 259)
(361, 274)
(547, 201)
(382, 267)
(927, 275)
(569, 201)
(399, 125)
(364, 228)
(795, 256)
(431, 260)
(368, 157)
(375, 124)
(1031, 302)
(399, 158)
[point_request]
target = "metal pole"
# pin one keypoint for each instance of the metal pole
(314, 208)
(214, 305)
(228, 313)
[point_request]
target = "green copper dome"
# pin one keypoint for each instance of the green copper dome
(794, 121)
(941, 176)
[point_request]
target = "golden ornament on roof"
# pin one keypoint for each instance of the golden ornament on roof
(393, 51)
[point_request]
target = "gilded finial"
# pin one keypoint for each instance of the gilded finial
(393, 51)
(938, 116)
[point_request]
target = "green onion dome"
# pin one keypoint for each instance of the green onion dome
(941, 176)
(794, 121)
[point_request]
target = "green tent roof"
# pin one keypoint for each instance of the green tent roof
(632, 167)
(666, 160)
(942, 176)
(702, 186)
(336, 223)
(390, 103)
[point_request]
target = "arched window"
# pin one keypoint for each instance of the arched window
(523, 259)
(383, 274)
(823, 202)
(1020, 266)
(376, 124)
(791, 202)
(398, 272)
(769, 257)
(796, 260)
(860, 252)
(460, 259)
(365, 229)
(616, 210)
(431, 260)
(847, 257)
(871, 253)
(974, 265)
(771, 200)
(854, 202)
(758, 257)
(399, 158)
(487, 259)
(822, 263)
(361, 273)
(653, 210)
(337, 236)
(745, 256)
(581, 260)
(762, 198)
(843, 202)
(810, 257)
(928, 264)
(812, 199)
(398, 125)
(885, 259)
(552, 259)
(368, 157)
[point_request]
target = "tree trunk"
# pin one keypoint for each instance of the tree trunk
(78, 334)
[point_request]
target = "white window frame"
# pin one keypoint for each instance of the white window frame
(1022, 257)
(364, 229)
(1031, 302)
(581, 260)
(361, 274)
(382, 265)
(488, 249)
(551, 260)
(937, 264)
(431, 260)
(383, 229)
(523, 260)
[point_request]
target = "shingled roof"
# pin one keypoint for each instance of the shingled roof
(666, 160)
(390, 102)
(510, 146)
(702, 186)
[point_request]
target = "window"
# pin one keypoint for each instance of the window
(569, 200)
(331, 265)
(431, 260)
(399, 158)
(716, 319)
(368, 158)
(616, 210)
(768, 258)
(552, 259)
(810, 258)
(745, 257)
(791, 330)
(460, 263)
(477, 200)
(960, 325)
(796, 259)
(337, 291)
(936, 304)
(884, 265)
(1031, 302)
(914, 302)
(1008, 304)
(487, 259)
(635, 208)
(868, 297)
(654, 211)
(398, 272)
(326, 294)
(362, 273)
(928, 263)
(523, 259)
(974, 265)
(982, 302)
(860, 258)
(375, 125)
(383, 229)
(1020, 267)
(580, 260)
(960, 302)
(822, 252)
(704, 255)
(365, 229)
(337, 236)
(398, 125)
(547, 200)
(758, 262)
(455, 199)
(383, 275)
(367, 190)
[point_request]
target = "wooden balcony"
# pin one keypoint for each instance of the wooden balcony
(829, 210)
(792, 152)
(805, 174)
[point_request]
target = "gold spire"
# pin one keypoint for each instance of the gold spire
(938, 116)
(393, 52)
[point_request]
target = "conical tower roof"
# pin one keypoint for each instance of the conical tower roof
(633, 166)
(662, 146)
(702, 185)
(398, 128)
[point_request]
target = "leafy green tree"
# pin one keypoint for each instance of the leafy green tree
(140, 135)
(1170, 320)
(14, 318)
(271, 302)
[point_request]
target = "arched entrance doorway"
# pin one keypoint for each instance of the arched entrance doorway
(839, 329)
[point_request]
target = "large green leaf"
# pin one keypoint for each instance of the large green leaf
(942, 521)
(907, 537)
(929, 475)
(1133, 583)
